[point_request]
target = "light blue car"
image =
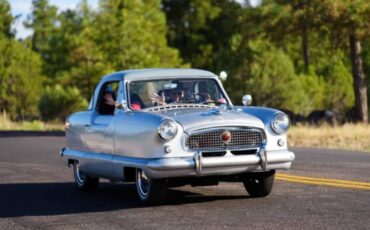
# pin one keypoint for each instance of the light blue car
(170, 127)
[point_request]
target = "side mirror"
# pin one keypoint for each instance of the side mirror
(223, 76)
(122, 104)
(247, 100)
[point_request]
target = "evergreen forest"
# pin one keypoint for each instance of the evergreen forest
(297, 55)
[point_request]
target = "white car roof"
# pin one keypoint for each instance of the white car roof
(143, 74)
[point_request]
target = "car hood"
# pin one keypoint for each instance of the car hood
(199, 118)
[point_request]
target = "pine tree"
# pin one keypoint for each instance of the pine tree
(42, 21)
(131, 35)
(349, 22)
(6, 19)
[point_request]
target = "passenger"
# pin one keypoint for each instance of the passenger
(136, 102)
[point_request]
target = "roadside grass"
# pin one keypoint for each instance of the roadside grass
(348, 136)
(6, 124)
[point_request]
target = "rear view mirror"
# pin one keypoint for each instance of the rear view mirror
(122, 104)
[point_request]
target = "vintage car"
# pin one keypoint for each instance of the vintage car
(164, 128)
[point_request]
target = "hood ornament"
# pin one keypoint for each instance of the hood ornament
(218, 111)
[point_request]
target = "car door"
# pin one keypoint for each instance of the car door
(98, 134)
(99, 130)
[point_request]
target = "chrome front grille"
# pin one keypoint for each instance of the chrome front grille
(210, 139)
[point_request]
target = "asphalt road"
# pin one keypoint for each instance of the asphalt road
(37, 192)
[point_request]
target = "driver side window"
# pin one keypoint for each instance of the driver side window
(107, 98)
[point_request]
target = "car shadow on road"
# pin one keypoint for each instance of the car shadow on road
(44, 199)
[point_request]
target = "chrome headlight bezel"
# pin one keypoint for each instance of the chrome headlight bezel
(280, 123)
(167, 130)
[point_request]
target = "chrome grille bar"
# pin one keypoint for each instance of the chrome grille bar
(210, 139)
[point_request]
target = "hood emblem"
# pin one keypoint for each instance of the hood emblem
(225, 137)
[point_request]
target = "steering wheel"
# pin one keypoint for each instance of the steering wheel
(203, 98)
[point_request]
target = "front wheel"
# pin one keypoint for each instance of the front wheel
(150, 191)
(259, 184)
(83, 181)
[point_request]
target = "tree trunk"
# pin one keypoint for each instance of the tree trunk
(358, 80)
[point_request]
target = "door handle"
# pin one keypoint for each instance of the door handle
(87, 125)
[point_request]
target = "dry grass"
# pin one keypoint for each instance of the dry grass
(348, 136)
(6, 124)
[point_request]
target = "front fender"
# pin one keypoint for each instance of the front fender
(135, 135)
(266, 115)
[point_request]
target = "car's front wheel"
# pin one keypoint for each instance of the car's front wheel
(259, 184)
(150, 191)
(83, 181)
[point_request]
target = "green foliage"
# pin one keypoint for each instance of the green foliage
(83, 60)
(345, 16)
(20, 78)
(272, 79)
(43, 21)
(349, 23)
(366, 59)
(314, 87)
(287, 54)
(57, 103)
(136, 33)
(191, 31)
(339, 89)
(6, 19)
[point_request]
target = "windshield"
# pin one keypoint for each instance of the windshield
(146, 94)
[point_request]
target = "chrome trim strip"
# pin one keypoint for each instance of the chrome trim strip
(178, 106)
(191, 132)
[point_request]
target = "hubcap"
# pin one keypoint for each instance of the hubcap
(143, 183)
(79, 176)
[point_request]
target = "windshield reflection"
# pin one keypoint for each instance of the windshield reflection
(152, 93)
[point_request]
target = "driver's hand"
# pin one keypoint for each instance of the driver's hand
(207, 98)
(157, 99)
(109, 100)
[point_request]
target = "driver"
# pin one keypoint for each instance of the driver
(108, 104)
(175, 95)
(168, 96)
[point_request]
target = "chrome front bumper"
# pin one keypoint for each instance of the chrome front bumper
(110, 166)
(228, 164)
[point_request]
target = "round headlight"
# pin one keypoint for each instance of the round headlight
(167, 130)
(280, 124)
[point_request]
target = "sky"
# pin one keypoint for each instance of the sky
(23, 8)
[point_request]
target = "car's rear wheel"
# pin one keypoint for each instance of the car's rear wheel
(259, 184)
(83, 181)
(150, 191)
